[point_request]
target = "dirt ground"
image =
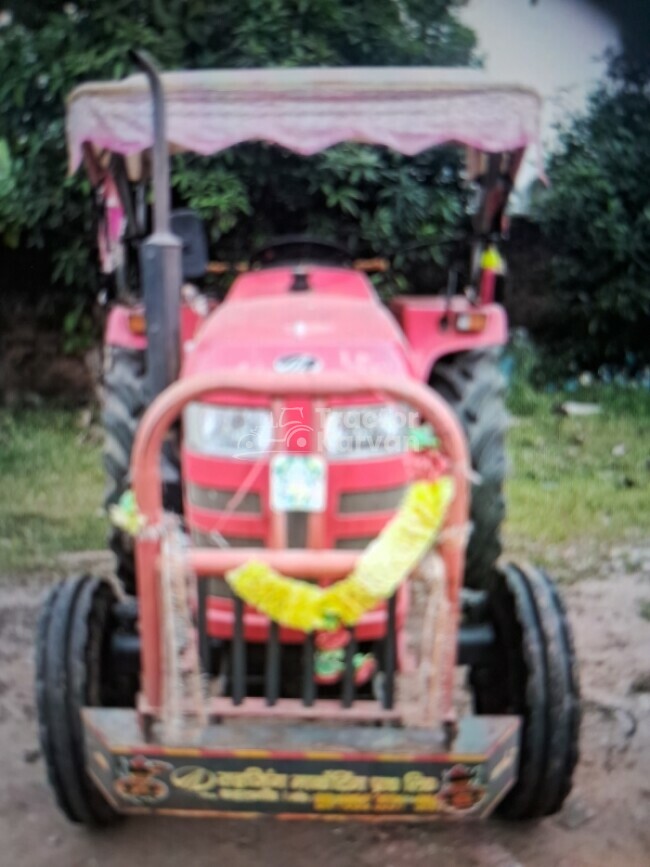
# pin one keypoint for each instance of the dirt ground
(606, 820)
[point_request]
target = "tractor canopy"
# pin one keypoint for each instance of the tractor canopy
(124, 131)
(306, 111)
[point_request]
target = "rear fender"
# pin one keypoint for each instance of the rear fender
(431, 333)
(118, 332)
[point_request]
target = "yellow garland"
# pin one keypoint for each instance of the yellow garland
(286, 600)
(383, 566)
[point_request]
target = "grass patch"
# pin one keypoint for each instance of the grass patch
(51, 481)
(573, 479)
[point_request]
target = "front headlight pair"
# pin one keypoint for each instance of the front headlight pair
(246, 432)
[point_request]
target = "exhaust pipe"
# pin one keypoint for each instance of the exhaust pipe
(160, 254)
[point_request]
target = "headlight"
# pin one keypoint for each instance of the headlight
(228, 431)
(366, 431)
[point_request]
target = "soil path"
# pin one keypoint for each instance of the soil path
(606, 820)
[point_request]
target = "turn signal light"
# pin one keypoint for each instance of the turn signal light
(137, 323)
(470, 323)
(372, 266)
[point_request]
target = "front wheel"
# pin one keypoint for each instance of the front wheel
(533, 674)
(72, 642)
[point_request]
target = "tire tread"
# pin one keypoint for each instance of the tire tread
(534, 676)
(473, 385)
(67, 626)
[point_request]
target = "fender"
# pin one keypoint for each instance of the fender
(429, 327)
(119, 333)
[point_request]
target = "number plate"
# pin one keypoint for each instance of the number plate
(298, 483)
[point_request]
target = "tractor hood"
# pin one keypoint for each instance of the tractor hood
(299, 333)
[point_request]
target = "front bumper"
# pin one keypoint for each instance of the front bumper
(245, 769)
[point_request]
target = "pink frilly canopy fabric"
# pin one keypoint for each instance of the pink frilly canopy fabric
(306, 110)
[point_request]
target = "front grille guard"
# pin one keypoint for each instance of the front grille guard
(300, 563)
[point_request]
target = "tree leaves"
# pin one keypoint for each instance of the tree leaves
(597, 219)
(373, 200)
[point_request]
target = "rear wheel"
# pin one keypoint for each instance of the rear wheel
(72, 642)
(533, 674)
(474, 387)
(123, 405)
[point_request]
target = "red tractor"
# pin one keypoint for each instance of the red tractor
(262, 456)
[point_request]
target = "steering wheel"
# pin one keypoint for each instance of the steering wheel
(300, 248)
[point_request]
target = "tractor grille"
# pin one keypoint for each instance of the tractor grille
(256, 659)
(210, 540)
(354, 543)
(383, 500)
(297, 523)
(217, 586)
(217, 500)
(267, 664)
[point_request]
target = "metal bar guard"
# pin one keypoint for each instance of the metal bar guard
(145, 469)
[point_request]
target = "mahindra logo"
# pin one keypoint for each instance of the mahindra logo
(298, 362)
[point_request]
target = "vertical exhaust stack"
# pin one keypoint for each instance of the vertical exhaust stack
(160, 254)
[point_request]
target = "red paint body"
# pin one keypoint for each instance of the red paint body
(365, 353)
(417, 335)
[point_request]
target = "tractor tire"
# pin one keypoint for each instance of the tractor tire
(71, 644)
(474, 387)
(533, 674)
(124, 402)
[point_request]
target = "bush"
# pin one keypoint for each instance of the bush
(596, 217)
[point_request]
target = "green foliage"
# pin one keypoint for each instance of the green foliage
(373, 198)
(78, 330)
(596, 216)
(52, 466)
(521, 362)
(576, 479)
